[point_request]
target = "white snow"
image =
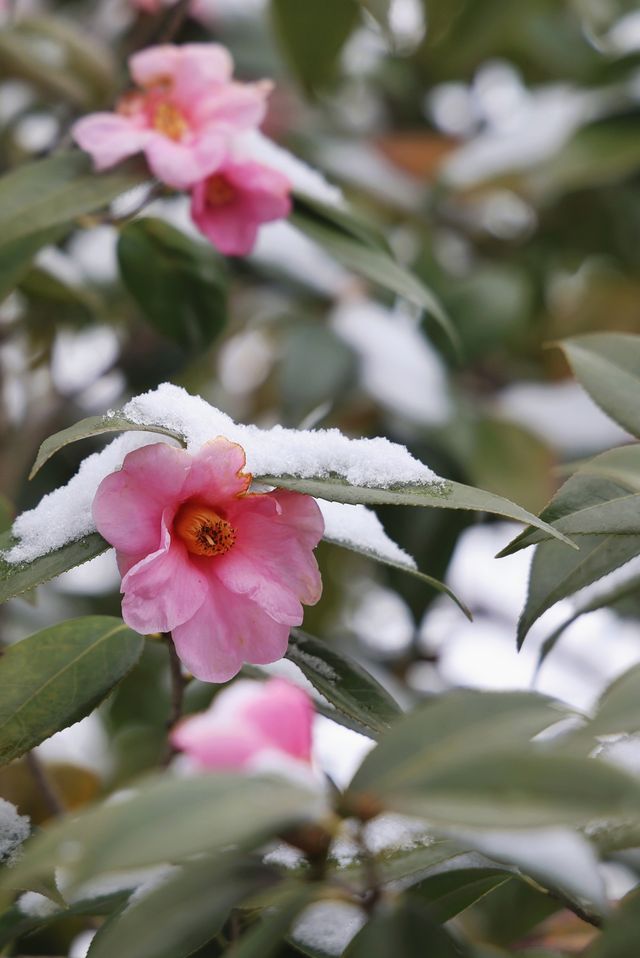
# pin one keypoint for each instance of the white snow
(398, 365)
(65, 514)
(14, 830)
(388, 832)
(328, 926)
(34, 905)
(358, 527)
(304, 179)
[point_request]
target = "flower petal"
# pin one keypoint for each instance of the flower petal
(182, 164)
(128, 506)
(109, 138)
(271, 561)
(283, 714)
(216, 473)
(228, 227)
(164, 589)
(233, 106)
(226, 631)
(200, 67)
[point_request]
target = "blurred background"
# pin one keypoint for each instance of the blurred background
(498, 147)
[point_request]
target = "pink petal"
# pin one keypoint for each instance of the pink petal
(216, 474)
(181, 164)
(283, 714)
(109, 138)
(272, 561)
(213, 745)
(226, 631)
(164, 589)
(200, 67)
(227, 227)
(128, 506)
(232, 106)
(155, 65)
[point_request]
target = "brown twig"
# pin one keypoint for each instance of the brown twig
(173, 22)
(48, 789)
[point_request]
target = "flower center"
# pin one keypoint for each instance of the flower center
(169, 120)
(219, 190)
(202, 530)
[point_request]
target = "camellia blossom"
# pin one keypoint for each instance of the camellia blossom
(224, 570)
(181, 116)
(229, 206)
(249, 725)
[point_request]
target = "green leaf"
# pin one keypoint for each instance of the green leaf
(607, 366)
(557, 573)
(375, 265)
(6, 514)
(266, 937)
(342, 218)
(466, 759)
(19, 577)
(312, 35)
(164, 819)
(409, 866)
(56, 677)
(621, 934)
(343, 682)
(600, 498)
(16, 257)
(15, 923)
(450, 892)
(55, 191)
(89, 428)
(178, 283)
(404, 929)
(182, 914)
(618, 709)
(443, 495)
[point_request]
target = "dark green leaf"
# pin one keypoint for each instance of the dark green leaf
(312, 36)
(14, 922)
(345, 219)
(181, 914)
(19, 577)
(87, 429)
(607, 365)
(404, 929)
(6, 514)
(165, 819)
(178, 283)
(452, 891)
(343, 683)
(466, 760)
(618, 709)
(621, 934)
(54, 191)
(16, 257)
(57, 676)
(267, 936)
(375, 265)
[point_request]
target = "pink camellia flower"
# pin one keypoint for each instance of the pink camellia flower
(224, 570)
(249, 725)
(229, 206)
(181, 117)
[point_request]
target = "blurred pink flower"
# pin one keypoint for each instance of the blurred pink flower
(229, 206)
(249, 725)
(186, 108)
(225, 571)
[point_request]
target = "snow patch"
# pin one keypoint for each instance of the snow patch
(327, 927)
(34, 905)
(14, 830)
(65, 514)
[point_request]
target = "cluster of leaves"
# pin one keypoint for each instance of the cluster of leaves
(519, 800)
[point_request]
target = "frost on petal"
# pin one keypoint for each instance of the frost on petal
(163, 590)
(226, 631)
(108, 138)
(216, 472)
(129, 504)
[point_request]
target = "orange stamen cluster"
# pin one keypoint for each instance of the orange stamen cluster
(202, 530)
(168, 119)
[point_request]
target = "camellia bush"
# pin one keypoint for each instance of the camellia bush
(285, 290)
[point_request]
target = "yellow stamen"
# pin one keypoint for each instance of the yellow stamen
(168, 119)
(219, 190)
(202, 530)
